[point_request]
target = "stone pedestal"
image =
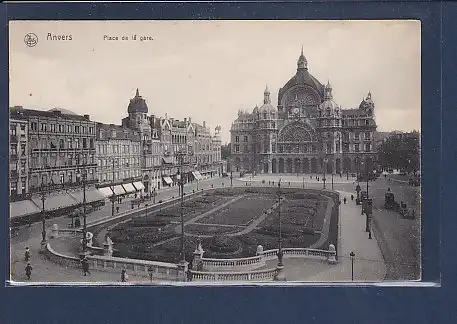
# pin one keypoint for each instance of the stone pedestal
(280, 276)
(55, 231)
(43, 246)
(332, 255)
(182, 270)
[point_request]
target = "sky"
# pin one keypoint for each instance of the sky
(208, 70)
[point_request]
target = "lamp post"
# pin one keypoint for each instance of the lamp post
(332, 179)
(113, 197)
(352, 256)
(83, 180)
(280, 276)
(347, 174)
(303, 182)
(325, 167)
(43, 218)
(231, 179)
(182, 265)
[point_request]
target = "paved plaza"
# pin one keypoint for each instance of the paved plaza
(369, 264)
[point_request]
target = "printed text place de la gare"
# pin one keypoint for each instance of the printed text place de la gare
(59, 37)
(133, 37)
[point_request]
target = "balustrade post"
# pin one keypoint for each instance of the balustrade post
(331, 254)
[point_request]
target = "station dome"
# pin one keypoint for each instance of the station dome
(137, 104)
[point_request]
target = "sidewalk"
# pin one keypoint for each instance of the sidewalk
(298, 179)
(368, 264)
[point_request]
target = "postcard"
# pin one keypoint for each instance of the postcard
(214, 152)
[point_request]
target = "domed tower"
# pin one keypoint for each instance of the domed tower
(138, 110)
(367, 105)
(266, 129)
(330, 123)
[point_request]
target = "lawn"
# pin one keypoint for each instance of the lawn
(241, 212)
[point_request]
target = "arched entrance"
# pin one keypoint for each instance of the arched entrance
(237, 164)
(246, 164)
(305, 165)
(346, 164)
(281, 165)
(329, 166)
(338, 166)
(297, 166)
(273, 166)
(313, 165)
(289, 165)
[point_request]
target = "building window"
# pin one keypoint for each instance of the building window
(356, 136)
(13, 149)
(13, 130)
(91, 130)
(281, 149)
(13, 189)
(77, 143)
(69, 143)
(84, 143)
(245, 138)
(237, 148)
(76, 129)
(273, 148)
(345, 147)
(68, 129)
(60, 128)
(237, 139)
(43, 127)
(34, 126)
(367, 135)
(329, 148)
(367, 147)
(53, 127)
(367, 122)
(356, 148)
(62, 178)
(91, 143)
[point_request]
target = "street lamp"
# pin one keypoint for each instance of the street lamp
(43, 218)
(352, 256)
(180, 177)
(325, 167)
(113, 197)
(303, 182)
(280, 275)
(84, 178)
(231, 179)
(332, 178)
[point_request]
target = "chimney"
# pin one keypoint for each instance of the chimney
(185, 120)
(87, 117)
(204, 124)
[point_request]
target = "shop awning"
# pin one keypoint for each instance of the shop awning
(56, 201)
(23, 208)
(138, 185)
(92, 195)
(168, 180)
(118, 190)
(128, 187)
(197, 175)
(167, 160)
(105, 192)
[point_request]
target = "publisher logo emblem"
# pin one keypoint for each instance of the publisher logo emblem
(31, 39)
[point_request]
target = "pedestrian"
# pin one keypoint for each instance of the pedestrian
(289, 183)
(352, 197)
(344, 200)
(28, 271)
(117, 209)
(27, 254)
(85, 265)
(124, 276)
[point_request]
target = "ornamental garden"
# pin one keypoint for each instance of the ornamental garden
(230, 223)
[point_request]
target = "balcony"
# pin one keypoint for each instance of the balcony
(13, 138)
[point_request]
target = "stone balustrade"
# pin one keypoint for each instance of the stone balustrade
(240, 264)
(144, 268)
(263, 275)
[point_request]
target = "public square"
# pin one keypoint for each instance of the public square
(392, 254)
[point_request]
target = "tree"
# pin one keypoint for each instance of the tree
(401, 152)
(225, 151)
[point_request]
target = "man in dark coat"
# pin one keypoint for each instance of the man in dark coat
(28, 270)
